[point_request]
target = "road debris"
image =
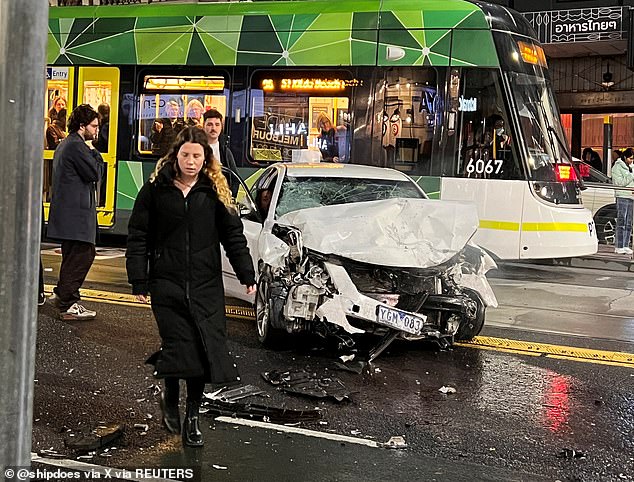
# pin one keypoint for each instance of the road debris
(446, 390)
(571, 454)
(395, 442)
(234, 394)
(254, 411)
(98, 438)
(301, 382)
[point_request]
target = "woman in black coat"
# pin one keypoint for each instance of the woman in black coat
(180, 218)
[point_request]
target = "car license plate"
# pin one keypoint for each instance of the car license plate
(400, 320)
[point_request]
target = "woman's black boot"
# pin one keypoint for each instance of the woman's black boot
(169, 406)
(192, 436)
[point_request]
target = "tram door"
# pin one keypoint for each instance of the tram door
(66, 88)
(99, 87)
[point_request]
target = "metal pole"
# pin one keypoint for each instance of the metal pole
(23, 37)
(607, 144)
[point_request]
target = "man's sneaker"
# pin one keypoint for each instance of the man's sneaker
(53, 300)
(41, 299)
(77, 312)
(623, 251)
(628, 250)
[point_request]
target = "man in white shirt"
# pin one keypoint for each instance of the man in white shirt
(212, 123)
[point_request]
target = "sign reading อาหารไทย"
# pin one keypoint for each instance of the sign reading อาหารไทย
(579, 25)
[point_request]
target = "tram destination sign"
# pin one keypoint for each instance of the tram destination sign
(580, 25)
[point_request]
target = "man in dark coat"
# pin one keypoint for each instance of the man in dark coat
(77, 168)
(178, 223)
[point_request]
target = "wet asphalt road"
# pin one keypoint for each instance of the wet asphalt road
(512, 417)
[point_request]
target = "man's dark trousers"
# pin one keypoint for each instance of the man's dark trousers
(77, 258)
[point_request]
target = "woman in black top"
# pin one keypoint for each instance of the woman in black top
(180, 218)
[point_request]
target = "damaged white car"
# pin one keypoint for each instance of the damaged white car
(346, 249)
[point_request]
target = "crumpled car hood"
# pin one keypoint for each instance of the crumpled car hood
(408, 233)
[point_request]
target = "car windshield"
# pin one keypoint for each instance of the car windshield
(310, 192)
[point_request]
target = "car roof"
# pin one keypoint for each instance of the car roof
(326, 169)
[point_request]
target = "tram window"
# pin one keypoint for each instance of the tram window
(98, 94)
(163, 116)
(487, 148)
(56, 107)
(406, 111)
(301, 116)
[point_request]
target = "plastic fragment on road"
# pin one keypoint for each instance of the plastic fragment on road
(254, 411)
(357, 366)
(143, 427)
(51, 454)
(234, 394)
(571, 454)
(395, 442)
(445, 390)
(98, 438)
(346, 358)
(219, 467)
(301, 382)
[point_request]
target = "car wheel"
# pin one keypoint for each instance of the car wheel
(264, 304)
(468, 329)
(605, 223)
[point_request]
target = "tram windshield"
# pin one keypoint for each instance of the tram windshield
(539, 121)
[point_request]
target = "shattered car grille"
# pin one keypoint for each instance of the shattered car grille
(402, 288)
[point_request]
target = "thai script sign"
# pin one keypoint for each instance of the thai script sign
(579, 25)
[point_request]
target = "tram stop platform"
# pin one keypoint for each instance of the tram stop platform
(605, 258)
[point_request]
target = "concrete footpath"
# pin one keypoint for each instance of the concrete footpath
(605, 259)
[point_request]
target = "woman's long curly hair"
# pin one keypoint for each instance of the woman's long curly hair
(211, 166)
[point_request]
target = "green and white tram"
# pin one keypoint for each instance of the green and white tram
(456, 94)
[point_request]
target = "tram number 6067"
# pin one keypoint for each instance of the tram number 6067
(480, 166)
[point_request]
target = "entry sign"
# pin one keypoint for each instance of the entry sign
(57, 73)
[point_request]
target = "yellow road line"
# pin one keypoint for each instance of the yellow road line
(505, 345)
(559, 352)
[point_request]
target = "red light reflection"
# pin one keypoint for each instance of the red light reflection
(557, 403)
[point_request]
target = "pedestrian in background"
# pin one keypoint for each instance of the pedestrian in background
(101, 142)
(180, 218)
(77, 168)
(56, 131)
(622, 175)
(212, 124)
(590, 156)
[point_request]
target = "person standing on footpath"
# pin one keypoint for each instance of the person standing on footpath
(77, 168)
(623, 176)
(180, 218)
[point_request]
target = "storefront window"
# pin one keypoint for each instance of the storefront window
(301, 117)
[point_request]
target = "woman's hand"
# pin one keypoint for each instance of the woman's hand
(142, 298)
(250, 289)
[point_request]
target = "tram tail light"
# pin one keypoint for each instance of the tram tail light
(565, 172)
